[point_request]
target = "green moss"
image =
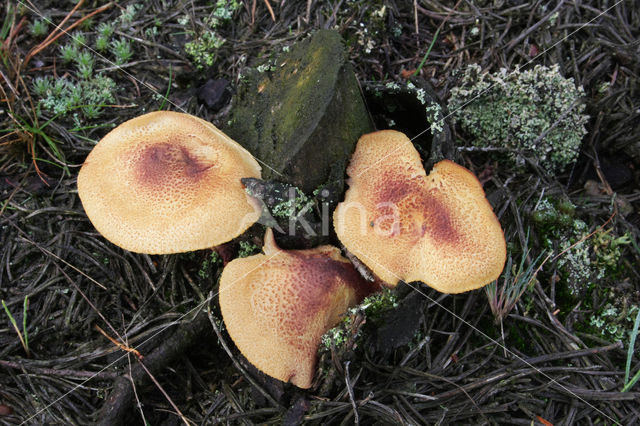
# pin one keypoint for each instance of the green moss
(535, 114)
(303, 76)
(39, 27)
(608, 250)
(121, 50)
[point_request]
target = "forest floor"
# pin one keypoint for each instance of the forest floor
(559, 353)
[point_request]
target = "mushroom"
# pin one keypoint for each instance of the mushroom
(277, 305)
(167, 182)
(407, 225)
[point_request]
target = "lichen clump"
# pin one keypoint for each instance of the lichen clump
(586, 257)
(534, 114)
(205, 43)
(615, 323)
(372, 307)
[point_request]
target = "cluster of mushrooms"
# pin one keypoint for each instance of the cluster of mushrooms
(168, 182)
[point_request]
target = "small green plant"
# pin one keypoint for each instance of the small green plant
(68, 52)
(101, 44)
(629, 382)
(37, 129)
(128, 13)
(514, 282)
(588, 257)
(608, 249)
(84, 58)
(41, 85)
(84, 62)
(61, 96)
(105, 29)
(534, 114)
(79, 39)
(85, 71)
(22, 335)
(584, 258)
(426, 55)
(39, 27)
(203, 49)
(121, 50)
(104, 33)
(372, 306)
(91, 111)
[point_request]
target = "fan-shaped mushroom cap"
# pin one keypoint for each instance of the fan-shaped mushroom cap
(405, 225)
(167, 182)
(277, 305)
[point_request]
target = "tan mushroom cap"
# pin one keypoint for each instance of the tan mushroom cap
(277, 305)
(404, 225)
(167, 182)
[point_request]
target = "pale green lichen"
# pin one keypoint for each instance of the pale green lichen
(575, 262)
(608, 248)
(369, 31)
(585, 257)
(265, 67)
(205, 44)
(534, 114)
(128, 13)
(247, 249)
(434, 115)
(208, 264)
(372, 306)
(292, 206)
(433, 110)
(614, 324)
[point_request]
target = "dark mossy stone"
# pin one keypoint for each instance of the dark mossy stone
(303, 114)
(397, 327)
(299, 221)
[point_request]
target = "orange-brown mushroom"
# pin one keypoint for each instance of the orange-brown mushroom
(407, 225)
(167, 182)
(277, 305)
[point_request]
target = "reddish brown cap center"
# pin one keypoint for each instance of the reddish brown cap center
(162, 162)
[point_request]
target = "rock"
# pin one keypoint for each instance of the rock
(303, 114)
(399, 326)
(215, 93)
